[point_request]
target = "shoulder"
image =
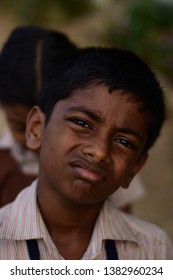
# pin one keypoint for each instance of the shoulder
(132, 223)
(4, 213)
(11, 212)
(143, 228)
(153, 241)
(151, 238)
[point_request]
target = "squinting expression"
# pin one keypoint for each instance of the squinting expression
(91, 145)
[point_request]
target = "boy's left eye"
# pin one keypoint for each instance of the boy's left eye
(125, 143)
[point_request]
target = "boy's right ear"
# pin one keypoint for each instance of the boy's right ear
(34, 126)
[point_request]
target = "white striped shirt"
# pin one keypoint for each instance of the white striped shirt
(135, 239)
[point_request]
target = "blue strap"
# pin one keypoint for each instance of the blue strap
(33, 249)
(111, 251)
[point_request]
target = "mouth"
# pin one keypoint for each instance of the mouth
(88, 172)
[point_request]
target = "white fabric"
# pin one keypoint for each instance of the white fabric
(27, 160)
(123, 197)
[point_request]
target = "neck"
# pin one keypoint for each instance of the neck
(70, 225)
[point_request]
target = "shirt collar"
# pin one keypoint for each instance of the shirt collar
(117, 225)
(111, 224)
(24, 222)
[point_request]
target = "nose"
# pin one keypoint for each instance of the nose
(97, 150)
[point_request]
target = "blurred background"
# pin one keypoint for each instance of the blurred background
(144, 26)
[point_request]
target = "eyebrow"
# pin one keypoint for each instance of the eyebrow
(95, 115)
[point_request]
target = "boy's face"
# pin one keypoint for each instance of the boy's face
(91, 145)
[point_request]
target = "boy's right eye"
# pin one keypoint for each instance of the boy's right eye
(80, 122)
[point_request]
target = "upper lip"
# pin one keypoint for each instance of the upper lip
(84, 164)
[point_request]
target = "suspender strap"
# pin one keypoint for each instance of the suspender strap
(111, 251)
(33, 249)
(110, 246)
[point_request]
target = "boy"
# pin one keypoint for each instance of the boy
(96, 119)
(26, 60)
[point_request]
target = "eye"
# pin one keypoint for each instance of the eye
(81, 123)
(125, 142)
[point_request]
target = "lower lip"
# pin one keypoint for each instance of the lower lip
(87, 175)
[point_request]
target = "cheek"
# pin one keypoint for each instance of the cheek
(121, 169)
(51, 151)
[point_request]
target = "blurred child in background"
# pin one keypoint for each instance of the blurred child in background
(26, 61)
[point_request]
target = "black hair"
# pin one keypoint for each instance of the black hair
(115, 68)
(26, 61)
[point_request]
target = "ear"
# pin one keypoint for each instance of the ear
(34, 126)
(140, 163)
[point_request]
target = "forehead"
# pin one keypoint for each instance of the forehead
(99, 98)
(110, 108)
